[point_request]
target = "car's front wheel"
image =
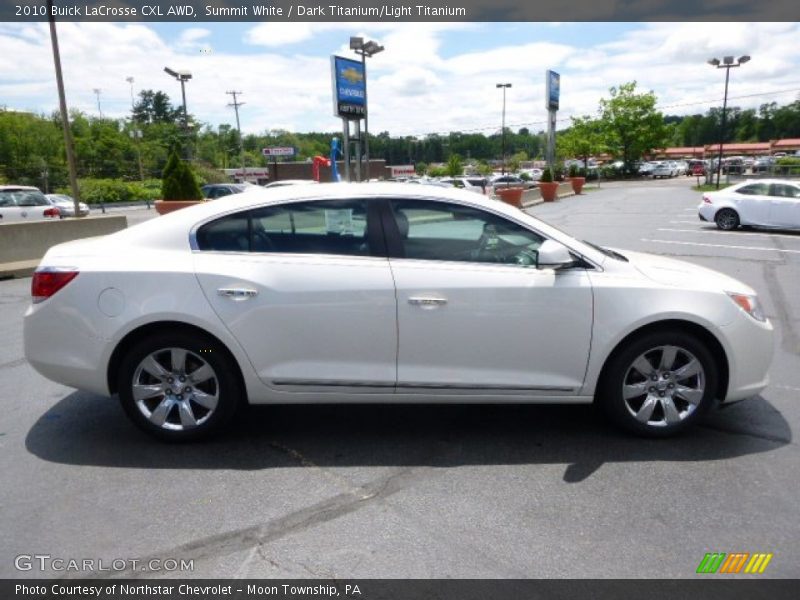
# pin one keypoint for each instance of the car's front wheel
(727, 219)
(659, 384)
(179, 386)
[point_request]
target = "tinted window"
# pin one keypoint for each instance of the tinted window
(30, 198)
(441, 231)
(318, 227)
(754, 189)
(7, 199)
(784, 191)
(228, 234)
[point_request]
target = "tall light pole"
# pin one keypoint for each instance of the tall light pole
(366, 50)
(135, 130)
(62, 103)
(183, 77)
(505, 86)
(727, 63)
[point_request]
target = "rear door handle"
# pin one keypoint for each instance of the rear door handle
(237, 293)
(427, 301)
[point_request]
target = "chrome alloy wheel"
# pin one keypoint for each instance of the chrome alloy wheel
(663, 386)
(175, 389)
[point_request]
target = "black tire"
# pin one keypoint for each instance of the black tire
(224, 387)
(620, 373)
(727, 219)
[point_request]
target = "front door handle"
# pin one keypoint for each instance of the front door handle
(427, 301)
(237, 293)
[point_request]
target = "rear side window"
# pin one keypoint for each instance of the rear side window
(318, 227)
(754, 189)
(228, 234)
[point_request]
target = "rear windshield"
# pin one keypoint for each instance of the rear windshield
(22, 198)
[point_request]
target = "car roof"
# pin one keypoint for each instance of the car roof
(16, 188)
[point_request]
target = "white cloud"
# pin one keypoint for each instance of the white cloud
(418, 85)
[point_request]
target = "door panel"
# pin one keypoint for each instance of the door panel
(474, 311)
(313, 319)
(307, 290)
(784, 206)
(492, 326)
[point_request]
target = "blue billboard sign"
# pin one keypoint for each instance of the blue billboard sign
(349, 88)
(553, 90)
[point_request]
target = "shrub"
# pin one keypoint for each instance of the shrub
(547, 175)
(178, 181)
(573, 170)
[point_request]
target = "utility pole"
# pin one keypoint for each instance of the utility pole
(62, 103)
(504, 86)
(236, 104)
(97, 93)
(136, 132)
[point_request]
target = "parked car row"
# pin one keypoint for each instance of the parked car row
(27, 203)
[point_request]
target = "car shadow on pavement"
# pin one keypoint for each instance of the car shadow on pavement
(83, 429)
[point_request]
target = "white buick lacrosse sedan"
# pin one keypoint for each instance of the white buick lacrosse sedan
(384, 293)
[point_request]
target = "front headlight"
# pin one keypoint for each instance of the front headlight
(748, 304)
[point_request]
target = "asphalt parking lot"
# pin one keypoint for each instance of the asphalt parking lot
(425, 491)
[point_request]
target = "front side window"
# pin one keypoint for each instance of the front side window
(784, 191)
(754, 189)
(432, 230)
(315, 227)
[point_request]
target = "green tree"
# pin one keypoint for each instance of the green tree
(631, 125)
(582, 140)
(454, 167)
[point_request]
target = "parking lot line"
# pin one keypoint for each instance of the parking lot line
(695, 222)
(732, 247)
(733, 233)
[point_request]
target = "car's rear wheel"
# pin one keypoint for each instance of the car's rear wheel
(659, 384)
(727, 219)
(179, 386)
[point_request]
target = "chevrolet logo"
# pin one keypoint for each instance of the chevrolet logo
(352, 75)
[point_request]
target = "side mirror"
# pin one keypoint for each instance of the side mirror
(553, 255)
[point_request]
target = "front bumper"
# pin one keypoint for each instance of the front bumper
(751, 346)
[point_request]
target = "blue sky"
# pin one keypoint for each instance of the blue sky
(433, 77)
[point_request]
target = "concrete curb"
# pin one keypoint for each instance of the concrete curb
(22, 245)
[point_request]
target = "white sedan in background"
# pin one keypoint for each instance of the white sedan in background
(23, 203)
(385, 293)
(756, 203)
(66, 205)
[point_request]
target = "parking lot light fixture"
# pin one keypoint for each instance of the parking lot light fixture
(183, 77)
(365, 50)
(505, 86)
(727, 63)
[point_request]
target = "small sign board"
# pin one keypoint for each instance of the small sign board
(553, 90)
(349, 88)
(278, 151)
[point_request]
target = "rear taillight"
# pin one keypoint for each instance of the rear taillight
(52, 212)
(707, 199)
(48, 281)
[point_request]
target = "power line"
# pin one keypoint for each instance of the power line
(567, 118)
